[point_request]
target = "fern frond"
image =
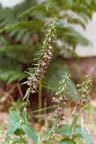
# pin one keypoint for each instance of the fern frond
(76, 21)
(10, 71)
(32, 26)
(56, 69)
(71, 36)
(35, 8)
(24, 54)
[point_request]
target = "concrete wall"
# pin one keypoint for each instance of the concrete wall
(10, 3)
(90, 34)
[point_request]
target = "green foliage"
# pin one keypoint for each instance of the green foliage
(78, 132)
(18, 105)
(67, 141)
(14, 141)
(72, 36)
(10, 70)
(70, 133)
(19, 127)
(20, 42)
(30, 133)
(14, 121)
(64, 131)
(22, 25)
(54, 74)
(13, 57)
(82, 133)
(33, 26)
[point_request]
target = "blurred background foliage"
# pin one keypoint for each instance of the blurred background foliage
(22, 30)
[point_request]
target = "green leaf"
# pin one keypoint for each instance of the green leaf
(69, 2)
(50, 4)
(30, 133)
(72, 90)
(31, 26)
(65, 130)
(35, 8)
(14, 127)
(54, 74)
(26, 37)
(19, 35)
(14, 121)
(25, 114)
(74, 120)
(27, 93)
(86, 137)
(14, 116)
(83, 133)
(76, 21)
(19, 132)
(67, 141)
(69, 34)
(10, 69)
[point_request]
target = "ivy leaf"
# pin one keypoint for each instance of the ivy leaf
(30, 133)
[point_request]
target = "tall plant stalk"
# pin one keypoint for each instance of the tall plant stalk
(40, 99)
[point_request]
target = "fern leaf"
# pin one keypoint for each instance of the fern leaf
(10, 71)
(35, 8)
(76, 21)
(71, 36)
(32, 26)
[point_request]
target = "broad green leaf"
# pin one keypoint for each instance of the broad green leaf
(14, 116)
(14, 127)
(83, 133)
(86, 137)
(30, 133)
(67, 141)
(65, 130)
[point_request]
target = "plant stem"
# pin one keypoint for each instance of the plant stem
(40, 99)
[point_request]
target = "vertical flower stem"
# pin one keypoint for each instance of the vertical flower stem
(40, 99)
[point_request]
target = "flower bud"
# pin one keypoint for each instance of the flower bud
(33, 91)
(50, 53)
